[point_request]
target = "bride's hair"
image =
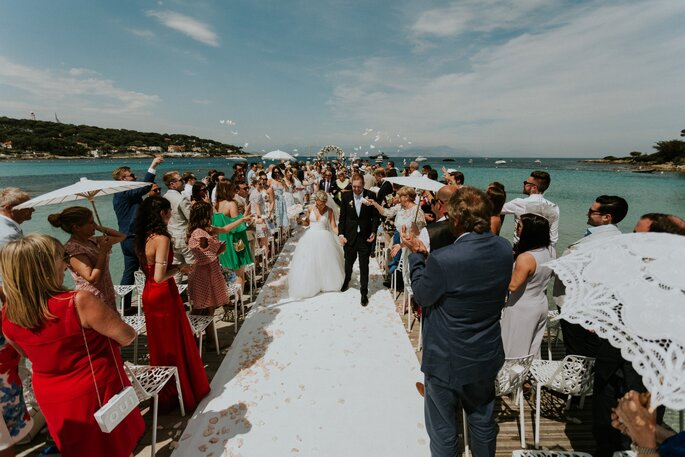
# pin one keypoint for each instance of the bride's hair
(320, 195)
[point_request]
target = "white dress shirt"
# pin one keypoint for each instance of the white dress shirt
(537, 204)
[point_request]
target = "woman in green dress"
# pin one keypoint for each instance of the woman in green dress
(237, 253)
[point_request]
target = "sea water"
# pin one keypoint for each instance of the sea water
(574, 187)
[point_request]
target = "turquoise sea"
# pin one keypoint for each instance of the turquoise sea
(574, 187)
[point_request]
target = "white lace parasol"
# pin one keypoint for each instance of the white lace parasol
(630, 289)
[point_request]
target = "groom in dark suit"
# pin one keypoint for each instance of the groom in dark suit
(461, 290)
(357, 231)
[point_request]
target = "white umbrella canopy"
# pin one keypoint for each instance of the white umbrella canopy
(417, 182)
(630, 290)
(83, 189)
(277, 155)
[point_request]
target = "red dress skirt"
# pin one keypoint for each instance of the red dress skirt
(171, 342)
(64, 386)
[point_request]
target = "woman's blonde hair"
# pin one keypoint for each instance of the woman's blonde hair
(69, 217)
(31, 274)
(320, 195)
(407, 191)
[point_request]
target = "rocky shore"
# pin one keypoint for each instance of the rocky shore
(643, 166)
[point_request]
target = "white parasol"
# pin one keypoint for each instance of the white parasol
(84, 188)
(417, 182)
(277, 155)
(630, 290)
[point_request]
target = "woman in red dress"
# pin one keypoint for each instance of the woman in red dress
(72, 340)
(169, 336)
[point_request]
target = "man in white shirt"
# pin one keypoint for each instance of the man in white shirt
(11, 218)
(414, 170)
(602, 217)
(189, 181)
(178, 223)
(534, 186)
(252, 173)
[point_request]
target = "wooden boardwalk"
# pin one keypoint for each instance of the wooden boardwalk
(558, 432)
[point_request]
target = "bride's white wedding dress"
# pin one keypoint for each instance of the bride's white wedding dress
(318, 264)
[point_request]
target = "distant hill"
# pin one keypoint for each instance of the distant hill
(24, 136)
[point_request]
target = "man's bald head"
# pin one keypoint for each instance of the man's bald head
(658, 222)
(442, 197)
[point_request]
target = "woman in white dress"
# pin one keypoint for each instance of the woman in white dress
(318, 264)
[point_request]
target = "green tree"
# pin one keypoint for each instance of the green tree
(669, 151)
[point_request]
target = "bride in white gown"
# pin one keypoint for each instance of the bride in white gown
(318, 264)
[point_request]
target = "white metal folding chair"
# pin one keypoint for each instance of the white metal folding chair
(139, 280)
(510, 381)
(137, 321)
(251, 278)
(553, 330)
(122, 290)
(572, 376)
(199, 326)
(148, 381)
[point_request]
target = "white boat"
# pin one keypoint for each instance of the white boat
(500, 162)
(537, 161)
(420, 159)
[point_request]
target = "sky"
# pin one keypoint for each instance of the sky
(529, 78)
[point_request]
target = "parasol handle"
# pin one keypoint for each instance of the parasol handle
(95, 211)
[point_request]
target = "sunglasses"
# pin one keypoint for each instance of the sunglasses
(591, 211)
(156, 190)
(66, 257)
(528, 183)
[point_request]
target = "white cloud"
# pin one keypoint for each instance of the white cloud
(201, 101)
(88, 94)
(141, 33)
(82, 72)
(476, 15)
(600, 71)
(187, 25)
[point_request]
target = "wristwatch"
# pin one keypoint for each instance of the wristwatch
(640, 450)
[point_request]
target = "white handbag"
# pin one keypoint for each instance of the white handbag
(120, 405)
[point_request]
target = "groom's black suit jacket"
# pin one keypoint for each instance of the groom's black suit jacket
(367, 221)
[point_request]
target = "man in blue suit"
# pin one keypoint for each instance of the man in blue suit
(461, 289)
(126, 207)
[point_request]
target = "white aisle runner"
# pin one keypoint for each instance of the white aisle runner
(317, 377)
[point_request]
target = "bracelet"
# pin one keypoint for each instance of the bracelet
(160, 263)
(640, 450)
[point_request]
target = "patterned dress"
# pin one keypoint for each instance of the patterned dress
(280, 205)
(103, 288)
(18, 422)
(206, 283)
